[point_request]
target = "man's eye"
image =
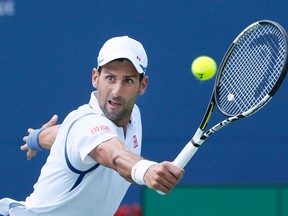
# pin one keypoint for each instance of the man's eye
(129, 81)
(110, 78)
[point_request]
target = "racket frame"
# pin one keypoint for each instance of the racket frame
(200, 136)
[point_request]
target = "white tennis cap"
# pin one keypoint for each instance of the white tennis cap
(124, 47)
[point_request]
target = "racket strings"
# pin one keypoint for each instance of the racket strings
(247, 84)
(252, 69)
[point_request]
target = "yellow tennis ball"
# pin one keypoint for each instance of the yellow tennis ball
(204, 67)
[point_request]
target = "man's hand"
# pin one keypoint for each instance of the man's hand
(163, 176)
(30, 153)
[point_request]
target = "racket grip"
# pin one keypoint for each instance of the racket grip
(185, 155)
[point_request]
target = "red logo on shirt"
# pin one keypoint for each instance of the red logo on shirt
(135, 142)
(99, 128)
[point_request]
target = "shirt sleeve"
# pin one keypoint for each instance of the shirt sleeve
(89, 132)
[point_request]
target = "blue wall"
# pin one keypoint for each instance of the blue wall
(48, 49)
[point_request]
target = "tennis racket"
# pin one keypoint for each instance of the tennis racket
(250, 73)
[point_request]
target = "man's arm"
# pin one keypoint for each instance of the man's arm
(46, 137)
(157, 176)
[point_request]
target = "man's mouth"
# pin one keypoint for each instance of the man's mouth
(114, 103)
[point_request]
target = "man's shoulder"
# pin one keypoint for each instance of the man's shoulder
(136, 109)
(136, 114)
(85, 114)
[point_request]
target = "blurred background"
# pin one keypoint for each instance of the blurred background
(48, 50)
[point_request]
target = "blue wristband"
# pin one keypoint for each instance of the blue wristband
(33, 140)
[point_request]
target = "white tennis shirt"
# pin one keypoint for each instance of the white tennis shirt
(98, 192)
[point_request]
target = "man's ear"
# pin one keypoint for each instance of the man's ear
(143, 85)
(95, 76)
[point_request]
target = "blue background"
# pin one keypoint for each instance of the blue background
(48, 50)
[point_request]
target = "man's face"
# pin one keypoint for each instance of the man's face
(118, 86)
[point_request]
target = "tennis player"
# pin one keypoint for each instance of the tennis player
(96, 153)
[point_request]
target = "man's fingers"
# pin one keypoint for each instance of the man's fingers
(24, 147)
(25, 138)
(163, 177)
(30, 130)
(30, 154)
(51, 122)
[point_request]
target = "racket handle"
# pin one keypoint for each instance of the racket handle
(183, 157)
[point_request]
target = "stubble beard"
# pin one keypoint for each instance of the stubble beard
(117, 115)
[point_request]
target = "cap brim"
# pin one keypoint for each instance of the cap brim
(137, 66)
